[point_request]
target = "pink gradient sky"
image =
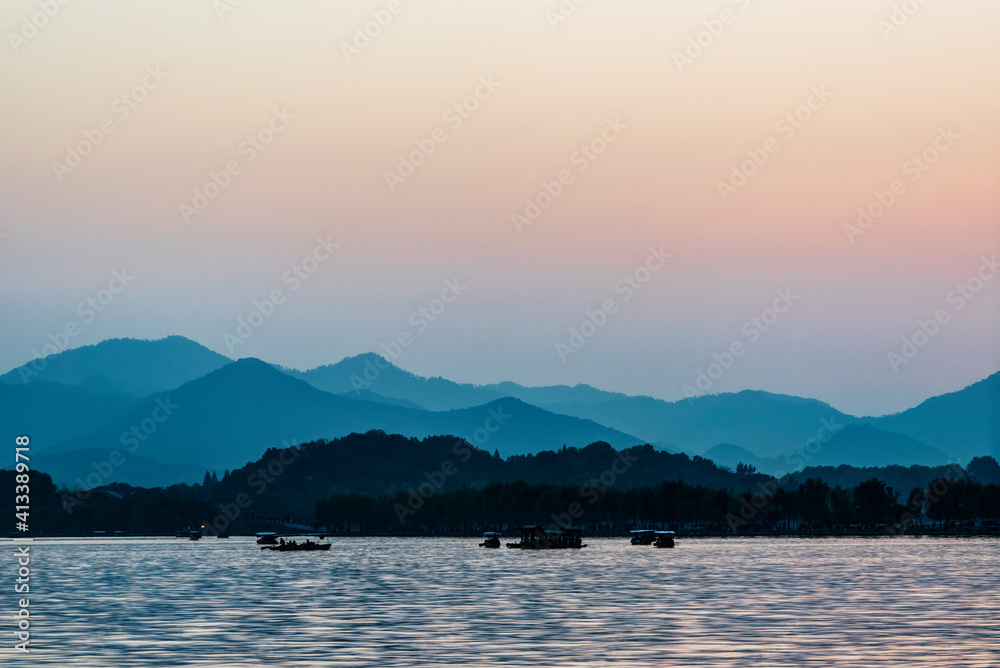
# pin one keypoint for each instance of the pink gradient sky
(656, 184)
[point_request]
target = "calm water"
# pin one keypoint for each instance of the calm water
(405, 602)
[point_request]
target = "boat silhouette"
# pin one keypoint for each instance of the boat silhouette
(537, 537)
(274, 541)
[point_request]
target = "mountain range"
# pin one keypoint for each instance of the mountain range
(159, 412)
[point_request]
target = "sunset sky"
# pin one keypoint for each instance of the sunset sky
(741, 137)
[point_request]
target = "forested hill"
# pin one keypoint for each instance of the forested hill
(364, 477)
(377, 463)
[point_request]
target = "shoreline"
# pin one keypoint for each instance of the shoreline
(991, 532)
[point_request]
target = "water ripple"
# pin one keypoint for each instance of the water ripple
(126, 602)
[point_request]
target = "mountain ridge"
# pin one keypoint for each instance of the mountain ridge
(368, 391)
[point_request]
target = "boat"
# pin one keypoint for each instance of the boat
(536, 537)
(643, 536)
(490, 539)
(267, 538)
(195, 535)
(293, 546)
(664, 539)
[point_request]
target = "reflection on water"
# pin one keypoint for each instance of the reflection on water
(411, 601)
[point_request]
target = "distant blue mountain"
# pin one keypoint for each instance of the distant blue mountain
(965, 424)
(85, 399)
(373, 373)
(232, 415)
(125, 366)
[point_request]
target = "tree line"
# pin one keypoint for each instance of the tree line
(378, 482)
(811, 506)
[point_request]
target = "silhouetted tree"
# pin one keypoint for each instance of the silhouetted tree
(813, 501)
(874, 501)
(985, 470)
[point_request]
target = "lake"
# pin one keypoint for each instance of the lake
(770, 602)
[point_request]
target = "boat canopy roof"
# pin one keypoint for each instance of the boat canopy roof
(665, 533)
(642, 531)
(262, 534)
(563, 530)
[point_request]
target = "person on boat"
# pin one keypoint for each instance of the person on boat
(281, 541)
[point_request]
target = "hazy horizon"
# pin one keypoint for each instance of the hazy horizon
(373, 386)
(825, 109)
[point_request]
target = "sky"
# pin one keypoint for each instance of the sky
(655, 198)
